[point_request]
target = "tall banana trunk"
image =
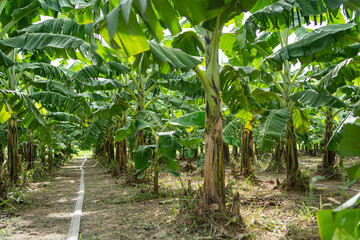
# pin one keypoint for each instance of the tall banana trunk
(30, 150)
(110, 146)
(292, 163)
(13, 162)
(123, 155)
(247, 152)
(328, 159)
(214, 175)
(2, 156)
(42, 154)
(277, 156)
(50, 158)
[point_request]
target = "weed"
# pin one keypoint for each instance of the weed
(146, 194)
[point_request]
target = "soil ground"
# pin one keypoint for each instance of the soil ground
(113, 210)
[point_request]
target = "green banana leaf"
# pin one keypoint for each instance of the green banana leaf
(231, 127)
(190, 142)
(190, 89)
(103, 84)
(235, 90)
(61, 101)
(64, 26)
(110, 110)
(141, 157)
(232, 141)
(92, 133)
(28, 114)
(339, 132)
(38, 41)
(179, 103)
(5, 61)
(314, 99)
(64, 117)
(54, 86)
(272, 128)
(170, 58)
(189, 42)
(168, 144)
(126, 130)
(126, 38)
(350, 142)
(196, 119)
(301, 120)
(340, 226)
(353, 173)
(319, 42)
(44, 70)
(339, 74)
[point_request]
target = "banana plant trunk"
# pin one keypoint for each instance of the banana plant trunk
(121, 155)
(43, 155)
(2, 157)
(247, 153)
(189, 165)
(156, 168)
(196, 154)
(140, 139)
(13, 162)
(235, 152)
(328, 159)
(110, 146)
(140, 136)
(104, 147)
(214, 172)
(277, 156)
(30, 150)
(292, 164)
(68, 154)
(226, 153)
(234, 159)
(50, 158)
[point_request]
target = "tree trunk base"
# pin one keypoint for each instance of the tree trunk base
(219, 221)
(276, 167)
(302, 184)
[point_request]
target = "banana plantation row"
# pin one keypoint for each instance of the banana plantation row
(147, 82)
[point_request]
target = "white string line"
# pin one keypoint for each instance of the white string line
(75, 221)
(332, 186)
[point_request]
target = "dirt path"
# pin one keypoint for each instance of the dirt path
(109, 211)
(113, 211)
(48, 208)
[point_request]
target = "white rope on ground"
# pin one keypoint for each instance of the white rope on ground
(332, 186)
(75, 221)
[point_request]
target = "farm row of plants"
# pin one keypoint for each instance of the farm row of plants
(145, 86)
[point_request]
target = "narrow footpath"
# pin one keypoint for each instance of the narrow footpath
(47, 209)
(109, 211)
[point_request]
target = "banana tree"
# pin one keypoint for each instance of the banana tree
(237, 95)
(325, 96)
(164, 149)
(327, 104)
(11, 14)
(16, 102)
(122, 32)
(284, 21)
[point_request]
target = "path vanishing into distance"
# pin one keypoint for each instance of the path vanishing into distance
(108, 212)
(112, 209)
